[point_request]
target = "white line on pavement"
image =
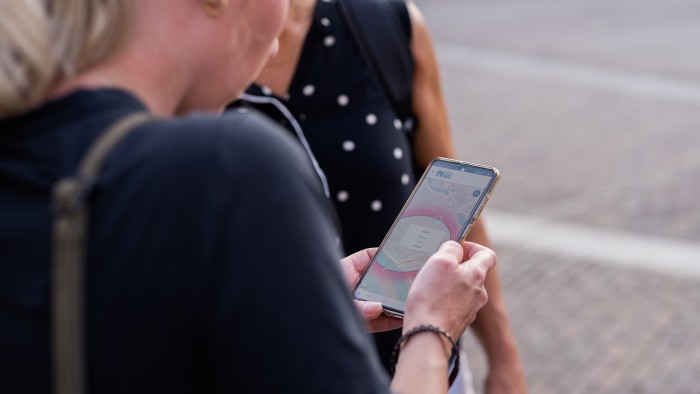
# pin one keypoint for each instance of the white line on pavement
(665, 255)
(569, 73)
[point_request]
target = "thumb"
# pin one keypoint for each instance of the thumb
(369, 310)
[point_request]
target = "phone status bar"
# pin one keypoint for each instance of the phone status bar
(463, 167)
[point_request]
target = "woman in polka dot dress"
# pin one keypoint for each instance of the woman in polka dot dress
(341, 114)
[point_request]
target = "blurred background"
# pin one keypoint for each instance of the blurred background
(591, 110)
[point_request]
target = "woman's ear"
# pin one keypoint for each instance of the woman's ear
(214, 7)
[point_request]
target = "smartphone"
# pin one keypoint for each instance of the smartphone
(443, 206)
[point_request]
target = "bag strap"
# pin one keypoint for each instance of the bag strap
(381, 29)
(68, 258)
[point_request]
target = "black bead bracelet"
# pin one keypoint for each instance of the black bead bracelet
(454, 355)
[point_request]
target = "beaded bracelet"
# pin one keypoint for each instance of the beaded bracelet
(454, 355)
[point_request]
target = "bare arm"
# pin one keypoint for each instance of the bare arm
(447, 293)
(492, 328)
(433, 138)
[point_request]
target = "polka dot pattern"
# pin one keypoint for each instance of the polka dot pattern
(308, 90)
(371, 119)
(367, 127)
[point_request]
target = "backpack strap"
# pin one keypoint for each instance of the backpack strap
(382, 31)
(68, 258)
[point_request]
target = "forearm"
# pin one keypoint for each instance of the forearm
(422, 366)
(492, 328)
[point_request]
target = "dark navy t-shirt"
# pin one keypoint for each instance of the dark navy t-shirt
(212, 261)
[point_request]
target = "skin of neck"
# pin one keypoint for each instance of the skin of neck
(300, 10)
(278, 71)
(157, 65)
(296, 26)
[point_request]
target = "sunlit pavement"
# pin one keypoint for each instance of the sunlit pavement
(591, 110)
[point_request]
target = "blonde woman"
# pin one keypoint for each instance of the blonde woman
(211, 261)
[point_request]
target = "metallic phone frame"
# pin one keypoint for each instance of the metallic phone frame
(463, 233)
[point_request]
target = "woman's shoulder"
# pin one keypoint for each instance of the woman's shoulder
(235, 133)
(204, 143)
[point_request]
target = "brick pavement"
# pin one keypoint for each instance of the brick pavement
(583, 327)
(581, 155)
(591, 110)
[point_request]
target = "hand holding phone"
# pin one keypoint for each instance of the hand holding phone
(443, 206)
(353, 267)
(449, 290)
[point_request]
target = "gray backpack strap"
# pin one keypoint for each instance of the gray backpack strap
(68, 258)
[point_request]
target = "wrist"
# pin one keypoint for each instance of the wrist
(422, 366)
(421, 333)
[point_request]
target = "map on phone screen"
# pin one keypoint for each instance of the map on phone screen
(438, 211)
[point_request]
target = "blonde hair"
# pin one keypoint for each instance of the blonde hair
(44, 42)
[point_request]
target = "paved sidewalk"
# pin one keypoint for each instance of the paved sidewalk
(584, 327)
(591, 110)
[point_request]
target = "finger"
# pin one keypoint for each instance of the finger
(360, 260)
(450, 250)
(482, 262)
(369, 310)
(471, 248)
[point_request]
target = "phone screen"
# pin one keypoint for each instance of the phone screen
(442, 207)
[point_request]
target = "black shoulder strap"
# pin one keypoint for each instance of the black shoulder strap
(383, 35)
(68, 258)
